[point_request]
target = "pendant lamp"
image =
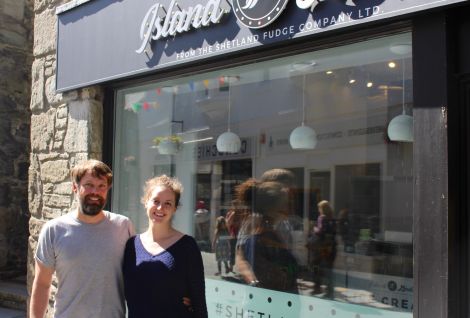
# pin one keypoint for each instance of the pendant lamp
(303, 137)
(400, 127)
(228, 141)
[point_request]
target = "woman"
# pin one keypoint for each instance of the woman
(162, 265)
(236, 216)
(221, 245)
(262, 256)
(323, 249)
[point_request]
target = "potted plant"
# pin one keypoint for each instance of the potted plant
(167, 145)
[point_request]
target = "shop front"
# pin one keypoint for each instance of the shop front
(306, 119)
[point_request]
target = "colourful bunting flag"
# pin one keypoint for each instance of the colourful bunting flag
(136, 107)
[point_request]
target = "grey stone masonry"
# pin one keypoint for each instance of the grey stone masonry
(16, 23)
(65, 129)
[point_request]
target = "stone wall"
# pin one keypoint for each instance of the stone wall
(15, 65)
(65, 129)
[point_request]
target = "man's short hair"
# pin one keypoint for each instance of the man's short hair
(97, 169)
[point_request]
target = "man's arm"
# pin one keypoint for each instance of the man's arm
(40, 291)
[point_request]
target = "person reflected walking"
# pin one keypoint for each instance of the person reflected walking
(221, 246)
(322, 246)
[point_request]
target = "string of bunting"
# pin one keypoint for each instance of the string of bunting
(138, 106)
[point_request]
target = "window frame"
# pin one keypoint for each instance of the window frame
(430, 184)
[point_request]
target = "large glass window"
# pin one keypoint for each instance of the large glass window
(313, 204)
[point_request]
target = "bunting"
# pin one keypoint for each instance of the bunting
(137, 107)
(147, 105)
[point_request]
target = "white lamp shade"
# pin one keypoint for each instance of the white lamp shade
(400, 128)
(303, 137)
(228, 142)
(167, 147)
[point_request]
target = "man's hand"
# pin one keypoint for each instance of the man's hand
(40, 291)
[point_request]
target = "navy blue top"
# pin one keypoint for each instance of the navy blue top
(155, 285)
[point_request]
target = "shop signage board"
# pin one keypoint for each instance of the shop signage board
(102, 40)
(207, 151)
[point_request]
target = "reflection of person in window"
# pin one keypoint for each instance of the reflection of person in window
(322, 246)
(237, 215)
(263, 258)
(221, 245)
(283, 226)
(201, 221)
(348, 229)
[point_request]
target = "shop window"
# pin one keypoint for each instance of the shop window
(290, 222)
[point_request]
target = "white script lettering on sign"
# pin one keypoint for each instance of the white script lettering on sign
(160, 22)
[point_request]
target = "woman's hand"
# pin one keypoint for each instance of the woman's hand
(187, 303)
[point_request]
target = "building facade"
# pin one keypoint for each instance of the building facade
(340, 127)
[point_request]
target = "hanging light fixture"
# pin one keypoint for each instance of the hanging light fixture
(228, 141)
(303, 137)
(171, 143)
(400, 127)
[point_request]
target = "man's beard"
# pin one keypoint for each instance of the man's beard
(90, 207)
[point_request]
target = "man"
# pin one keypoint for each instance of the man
(85, 249)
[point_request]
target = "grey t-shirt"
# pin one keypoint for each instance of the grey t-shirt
(87, 259)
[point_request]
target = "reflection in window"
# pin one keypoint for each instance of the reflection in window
(332, 222)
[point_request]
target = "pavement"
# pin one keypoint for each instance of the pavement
(13, 293)
(10, 313)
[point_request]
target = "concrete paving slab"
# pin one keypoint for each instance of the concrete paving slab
(14, 289)
(10, 313)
